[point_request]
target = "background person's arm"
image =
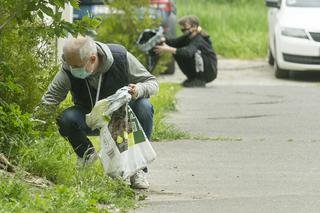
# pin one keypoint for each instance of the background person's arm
(187, 51)
(177, 42)
(164, 48)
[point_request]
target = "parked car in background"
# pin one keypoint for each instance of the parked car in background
(294, 36)
(165, 10)
(90, 8)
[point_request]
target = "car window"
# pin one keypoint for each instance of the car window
(303, 3)
(91, 2)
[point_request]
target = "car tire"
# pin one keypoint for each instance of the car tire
(280, 73)
(270, 57)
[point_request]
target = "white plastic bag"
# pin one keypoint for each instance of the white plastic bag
(126, 149)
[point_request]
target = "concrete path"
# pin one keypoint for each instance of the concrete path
(264, 153)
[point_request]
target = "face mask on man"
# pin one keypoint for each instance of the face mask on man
(80, 72)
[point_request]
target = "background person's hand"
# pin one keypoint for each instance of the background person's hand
(164, 48)
(133, 90)
(163, 40)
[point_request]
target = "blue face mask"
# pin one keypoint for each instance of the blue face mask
(80, 73)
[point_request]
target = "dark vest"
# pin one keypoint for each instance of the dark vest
(112, 80)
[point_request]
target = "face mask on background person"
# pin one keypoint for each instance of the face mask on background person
(186, 31)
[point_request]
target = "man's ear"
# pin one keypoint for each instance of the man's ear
(93, 59)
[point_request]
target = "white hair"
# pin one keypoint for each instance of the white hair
(87, 48)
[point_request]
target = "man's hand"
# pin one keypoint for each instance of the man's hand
(133, 90)
(164, 48)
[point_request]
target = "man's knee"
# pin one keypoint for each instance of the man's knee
(143, 108)
(144, 112)
(68, 120)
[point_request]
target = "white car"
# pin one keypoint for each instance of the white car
(294, 35)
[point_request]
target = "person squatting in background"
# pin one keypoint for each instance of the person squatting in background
(193, 52)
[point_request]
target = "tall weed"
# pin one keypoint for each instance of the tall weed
(163, 103)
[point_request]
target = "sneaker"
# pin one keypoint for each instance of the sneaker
(139, 181)
(194, 83)
(185, 82)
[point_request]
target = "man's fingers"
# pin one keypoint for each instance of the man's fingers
(132, 88)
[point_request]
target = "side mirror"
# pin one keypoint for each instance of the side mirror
(273, 3)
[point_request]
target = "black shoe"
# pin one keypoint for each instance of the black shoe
(194, 83)
(186, 82)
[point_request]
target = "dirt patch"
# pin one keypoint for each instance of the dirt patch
(9, 170)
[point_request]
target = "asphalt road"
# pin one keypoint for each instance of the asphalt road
(262, 148)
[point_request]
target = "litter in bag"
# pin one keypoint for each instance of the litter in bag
(125, 149)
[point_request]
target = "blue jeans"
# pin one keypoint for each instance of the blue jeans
(73, 127)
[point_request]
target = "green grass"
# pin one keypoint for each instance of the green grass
(74, 190)
(164, 102)
(17, 196)
(238, 30)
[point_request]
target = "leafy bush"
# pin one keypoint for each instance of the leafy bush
(26, 69)
(27, 63)
(165, 102)
(15, 127)
(28, 30)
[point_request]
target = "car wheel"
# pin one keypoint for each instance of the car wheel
(280, 73)
(270, 57)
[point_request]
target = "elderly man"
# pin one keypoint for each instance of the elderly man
(92, 71)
